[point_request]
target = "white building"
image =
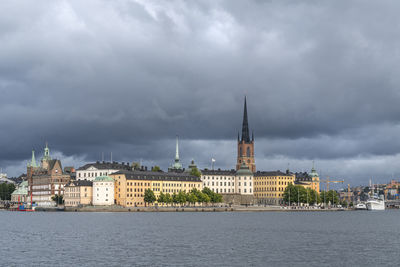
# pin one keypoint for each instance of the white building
(244, 180)
(103, 191)
(229, 181)
(219, 181)
(92, 170)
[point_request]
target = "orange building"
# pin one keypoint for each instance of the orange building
(131, 185)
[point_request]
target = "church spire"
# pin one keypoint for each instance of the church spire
(33, 160)
(46, 155)
(177, 166)
(177, 150)
(245, 126)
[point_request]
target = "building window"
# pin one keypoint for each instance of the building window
(248, 153)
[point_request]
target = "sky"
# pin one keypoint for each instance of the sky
(322, 81)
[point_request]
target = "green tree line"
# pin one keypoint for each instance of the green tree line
(194, 196)
(297, 193)
(6, 191)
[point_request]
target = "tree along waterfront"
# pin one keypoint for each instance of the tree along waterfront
(299, 194)
(194, 196)
(6, 191)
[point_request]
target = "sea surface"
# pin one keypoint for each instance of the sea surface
(356, 238)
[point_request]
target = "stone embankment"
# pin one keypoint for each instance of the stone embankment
(192, 209)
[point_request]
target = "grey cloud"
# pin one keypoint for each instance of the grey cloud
(321, 79)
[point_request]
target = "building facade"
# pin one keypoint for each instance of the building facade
(92, 170)
(78, 193)
(219, 181)
(308, 180)
(245, 146)
(131, 185)
(229, 181)
(103, 191)
(270, 186)
(45, 180)
(21, 193)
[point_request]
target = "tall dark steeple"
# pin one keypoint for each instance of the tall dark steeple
(245, 126)
(245, 144)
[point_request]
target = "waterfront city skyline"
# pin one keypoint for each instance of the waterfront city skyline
(323, 92)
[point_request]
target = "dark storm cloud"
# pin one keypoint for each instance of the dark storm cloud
(321, 78)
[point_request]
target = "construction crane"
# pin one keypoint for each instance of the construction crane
(348, 194)
(327, 181)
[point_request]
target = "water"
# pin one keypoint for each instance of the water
(200, 239)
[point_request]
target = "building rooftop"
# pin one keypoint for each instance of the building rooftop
(80, 183)
(244, 170)
(218, 172)
(271, 173)
(107, 166)
(159, 176)
(22, 189)
(104, 179)
(303, 176)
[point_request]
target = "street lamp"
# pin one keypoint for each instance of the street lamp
(298, 196)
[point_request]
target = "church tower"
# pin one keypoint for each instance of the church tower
(245, 145)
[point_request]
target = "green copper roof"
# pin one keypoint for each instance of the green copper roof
(104, 179)
(244, 170)
(33, 160)
(313, 172)
(46, 155)
(22, 189)
(177, 165)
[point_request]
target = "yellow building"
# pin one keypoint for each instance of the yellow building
(131, 185)
(270, 186)
(78, 193)
(308, 180)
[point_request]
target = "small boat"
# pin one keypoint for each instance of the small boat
(376, 203)
(361, 206)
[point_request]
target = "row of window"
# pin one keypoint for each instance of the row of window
(268, 195)
(91, 174)
(98, 189)
(133, 195)
(274, 178)
(216, 178)
(273, 183)
(229, 191)
(261, 189)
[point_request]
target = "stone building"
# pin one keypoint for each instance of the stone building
(219, 181)
(236, 187)
(245, 146)
(92, 170)
(78, 193)
(103, 191)
(131, 185)
(45, 180)
(21, 193)
(269, 186)
(308, 180)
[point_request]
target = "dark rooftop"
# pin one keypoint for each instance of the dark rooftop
(218, 172)
(80, 183)
(271, 173)
(160, 176)
(107, 166)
